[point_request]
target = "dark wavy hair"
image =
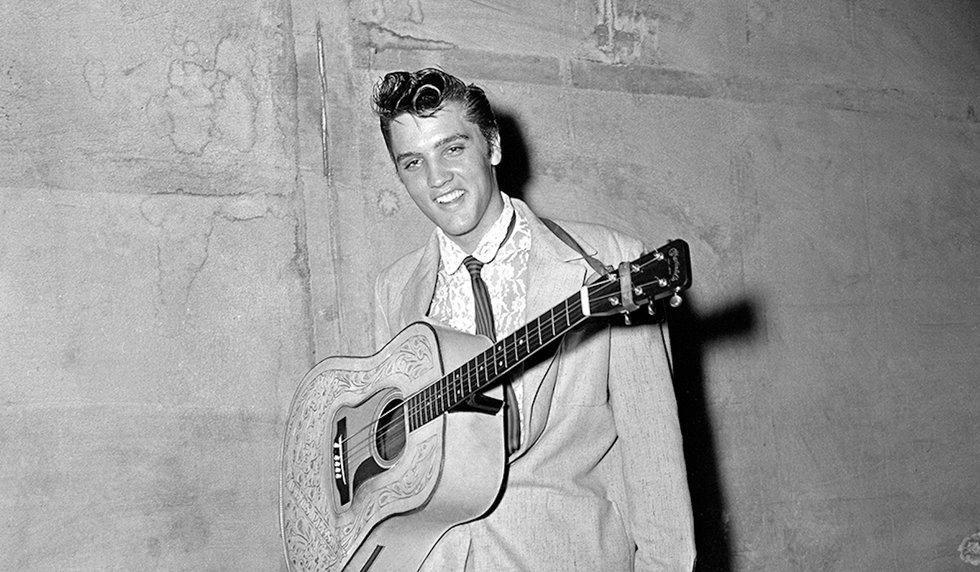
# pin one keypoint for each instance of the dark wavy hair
(424, 93)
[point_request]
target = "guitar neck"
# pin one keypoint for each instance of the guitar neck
(653, 276)
(486, 368)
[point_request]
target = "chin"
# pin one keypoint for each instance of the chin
(456, 228)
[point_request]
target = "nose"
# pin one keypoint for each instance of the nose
(438, 174)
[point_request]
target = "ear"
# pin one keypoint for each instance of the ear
(495, 153)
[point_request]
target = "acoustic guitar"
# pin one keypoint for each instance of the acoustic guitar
(383, 454)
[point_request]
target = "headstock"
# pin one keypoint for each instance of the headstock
(658, 274)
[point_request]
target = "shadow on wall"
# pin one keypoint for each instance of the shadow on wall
(691, 334)
(514, 173)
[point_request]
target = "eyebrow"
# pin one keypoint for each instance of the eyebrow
(436, 145)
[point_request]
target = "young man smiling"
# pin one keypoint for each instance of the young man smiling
(596, 477)
(447, 165)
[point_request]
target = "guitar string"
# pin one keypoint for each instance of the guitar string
(408, 410)
(468, 376)
(570, 303)
(477, 369)
(536, 327)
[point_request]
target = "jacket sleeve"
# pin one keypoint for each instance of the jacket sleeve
(644, 407)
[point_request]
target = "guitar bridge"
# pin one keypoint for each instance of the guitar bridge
(340, 461)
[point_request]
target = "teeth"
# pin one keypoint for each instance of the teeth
(449, 197)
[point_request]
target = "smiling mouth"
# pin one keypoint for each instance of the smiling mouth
(450, 197)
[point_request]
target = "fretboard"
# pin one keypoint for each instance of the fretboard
(486, 368)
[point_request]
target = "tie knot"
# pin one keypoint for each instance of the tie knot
(473, 265)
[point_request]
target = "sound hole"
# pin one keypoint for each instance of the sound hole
(389, 438)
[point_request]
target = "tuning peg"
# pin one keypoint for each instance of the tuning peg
(676, 299)
(627, 320)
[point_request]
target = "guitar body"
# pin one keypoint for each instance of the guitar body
(362, 491)
(383, 454)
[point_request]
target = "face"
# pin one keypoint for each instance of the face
(446, 166)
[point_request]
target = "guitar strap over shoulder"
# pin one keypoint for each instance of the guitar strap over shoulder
(656, 309)
(600, 269)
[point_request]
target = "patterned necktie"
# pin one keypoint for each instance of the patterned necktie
(485, 327)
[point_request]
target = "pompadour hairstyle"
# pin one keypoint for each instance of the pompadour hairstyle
(424, 93)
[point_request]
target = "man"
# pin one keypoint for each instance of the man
(596, 476)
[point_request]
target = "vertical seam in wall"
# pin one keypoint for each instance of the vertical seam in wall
(321, 69)
(298, 198)
(332, 199)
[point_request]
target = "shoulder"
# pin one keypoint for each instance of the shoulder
(609, 243)
(396, 275)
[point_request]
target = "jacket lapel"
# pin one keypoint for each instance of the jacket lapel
(413, 302)
(555, 271)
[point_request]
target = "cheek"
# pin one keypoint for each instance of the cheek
(418, 194)
(411, 182)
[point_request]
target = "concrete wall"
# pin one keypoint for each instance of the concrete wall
(154, 311)
(194, 200)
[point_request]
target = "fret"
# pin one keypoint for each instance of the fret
(491, 358)
(452, 389)
(435, 400)
(579, 311)
(455, 389)
(443, 392)
(471, 373)
(479, 370)
(485, 367)
(524, 341)
(515, 349)
(431, 403)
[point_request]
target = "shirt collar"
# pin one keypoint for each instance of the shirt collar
(452, 255)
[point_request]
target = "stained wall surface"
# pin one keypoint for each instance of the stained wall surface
(194, 202)
(153, 285)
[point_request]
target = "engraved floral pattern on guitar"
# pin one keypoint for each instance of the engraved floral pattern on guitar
(316, 537)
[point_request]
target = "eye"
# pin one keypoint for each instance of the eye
(411, 165)
(454, 150)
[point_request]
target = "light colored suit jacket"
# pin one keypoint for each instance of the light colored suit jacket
(599, 483)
